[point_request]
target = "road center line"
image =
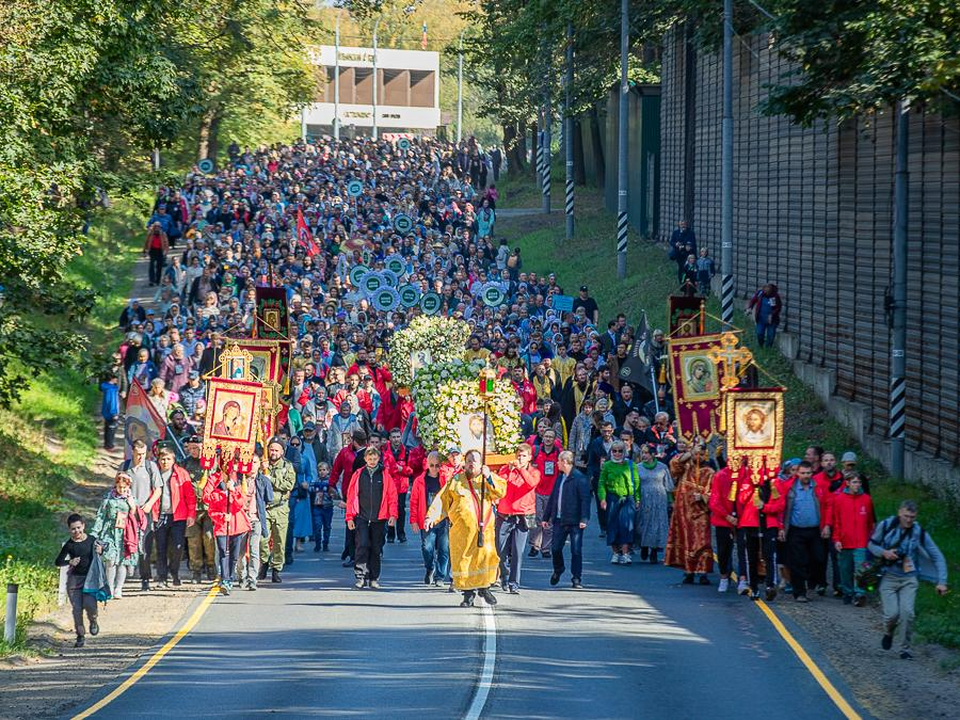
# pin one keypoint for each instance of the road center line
(157, 657)
(489, 663)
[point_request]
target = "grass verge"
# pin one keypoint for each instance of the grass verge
(49, 439)
(591, 259)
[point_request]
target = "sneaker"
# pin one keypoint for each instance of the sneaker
(402, 539)
(118, 595)
(886, 642)
(906, 655)
(513, 589)
(94, 628)
(359, 584)
(80, 642)
(252, 585)
(533, 552)
(555, 578)
(347, 563)
(802, 599)
(743, 587)
(225, 588)
(627, 559)
(860, 600)
(546, 554)
(162, 585)
(615, 559)
(771, 593)
(428, 578)
(374, 584)
(438, 582)
(577, 585)
(723, 585)
(487, 596)
(821, 590)
(837, 593)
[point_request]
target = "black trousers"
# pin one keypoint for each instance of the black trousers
(369, 538)
(349, 545)
(110, 432)
(169, 534)
(400, 531)
(146, 549)
(725, 539)
(156, 265)
(511, 544)
(806, 558)
(601, 512)
(755, 542)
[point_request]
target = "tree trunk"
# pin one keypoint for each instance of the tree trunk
(511, 150)
(601, 165)
(209, 144)
(579, 171)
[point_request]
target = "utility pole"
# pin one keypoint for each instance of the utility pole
(568, 133)
(726, 173)
(460, 89)
(901, 199)
(622, 141)
(547, 122)
(336, 81)
(376, 26)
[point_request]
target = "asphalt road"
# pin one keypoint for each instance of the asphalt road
(632, 644)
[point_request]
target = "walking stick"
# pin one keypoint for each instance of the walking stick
(483, 480)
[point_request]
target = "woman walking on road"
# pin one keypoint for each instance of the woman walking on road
(119, 523)
(653, 519)
(619, 490)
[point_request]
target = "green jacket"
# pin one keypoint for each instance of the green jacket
(621, 479)
(283, 477)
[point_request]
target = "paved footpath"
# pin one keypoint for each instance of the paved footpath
(632, 644)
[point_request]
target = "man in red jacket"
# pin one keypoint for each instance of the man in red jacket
(723, 517)
(371, 506)
(172, 515)
(852, 527)
(515, 514)
(398, 458)
(434, 543)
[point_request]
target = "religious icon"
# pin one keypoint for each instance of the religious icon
(232, 413)
(419, 359)
(231, 421)
(699, 377)
(754, 423)
(470, 431)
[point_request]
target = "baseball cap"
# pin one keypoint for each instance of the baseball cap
(849, 456)
(583, 288)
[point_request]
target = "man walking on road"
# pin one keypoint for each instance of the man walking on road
(515, 512)
(282, 477)
(900, 540)
(435, 544)
(146, 486)
(568, 511)
(371, 506)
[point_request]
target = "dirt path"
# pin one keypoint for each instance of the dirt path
(61, 677)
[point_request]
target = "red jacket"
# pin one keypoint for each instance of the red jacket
(389, 414)
(388, 503)
(521, 498)
(400, 467)
(748, 514)
(547, 460)
(183, 499)
(418, 499)
(720, 503)
(852, 520)
(343, 466)
(215, 498)
(528, 397)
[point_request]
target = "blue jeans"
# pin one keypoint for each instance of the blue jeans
(765, 333)
(560, 535)
(435, 546)
(322, 522)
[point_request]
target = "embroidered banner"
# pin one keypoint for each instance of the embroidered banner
(696, 378)
(232, 421)
(753, 419)
(686, 315)
(273, 317)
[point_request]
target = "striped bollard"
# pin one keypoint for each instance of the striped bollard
(726, 300)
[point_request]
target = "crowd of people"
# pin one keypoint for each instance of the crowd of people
(597, 450)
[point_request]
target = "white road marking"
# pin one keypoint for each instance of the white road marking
(489, 663)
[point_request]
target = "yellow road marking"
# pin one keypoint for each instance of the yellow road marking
(818, 675)
(822, 680)
(157, 657)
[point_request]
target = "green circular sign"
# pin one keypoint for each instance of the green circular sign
(402, 223)
(386, 299)
(205, 165)
(357, 273)
(493, 296)
(403, 143)
(409, 295)
(390, 278)
(396, 265)
(371, 283)
(354, 188)
(430, 303)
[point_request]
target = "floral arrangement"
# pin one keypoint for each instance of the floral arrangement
(443, 393)
(435, 339)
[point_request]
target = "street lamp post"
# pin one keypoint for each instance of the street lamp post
(568, 133)
(460, 89)
(726, 173)
(376, 26)
(622, 141)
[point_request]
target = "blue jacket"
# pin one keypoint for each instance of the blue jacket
(264, 492)
(575, 504)
(110, 407)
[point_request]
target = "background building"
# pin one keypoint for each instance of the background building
(408, 91)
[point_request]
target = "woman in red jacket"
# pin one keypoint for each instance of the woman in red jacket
(224, 498)
(852, 527)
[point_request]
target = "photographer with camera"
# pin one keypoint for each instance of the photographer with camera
(899, 541)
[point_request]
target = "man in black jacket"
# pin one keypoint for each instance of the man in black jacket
(568, 510)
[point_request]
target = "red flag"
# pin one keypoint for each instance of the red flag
(304, 238)
(423, 38)
(142, 421)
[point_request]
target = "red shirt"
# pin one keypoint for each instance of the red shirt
(546, 462)
(520, 498)
(720, 503)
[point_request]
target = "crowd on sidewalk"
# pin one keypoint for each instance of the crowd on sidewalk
(597, 453)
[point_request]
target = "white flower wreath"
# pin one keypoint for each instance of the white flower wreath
(443, 338)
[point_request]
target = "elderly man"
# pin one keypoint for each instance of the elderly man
(567, 513)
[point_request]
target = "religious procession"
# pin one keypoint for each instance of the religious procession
(339, 348)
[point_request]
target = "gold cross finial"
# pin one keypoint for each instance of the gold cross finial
(734, 359)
